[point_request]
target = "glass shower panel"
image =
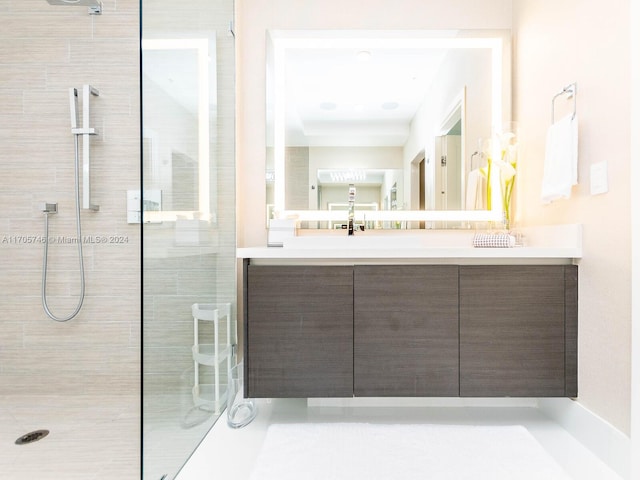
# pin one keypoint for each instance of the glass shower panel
(188, 201)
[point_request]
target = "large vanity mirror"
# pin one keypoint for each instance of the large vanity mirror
(398, 114)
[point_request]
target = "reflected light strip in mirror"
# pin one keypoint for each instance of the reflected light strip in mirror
(396, 215)
(283, 40)
(279, 111)
(201, 46)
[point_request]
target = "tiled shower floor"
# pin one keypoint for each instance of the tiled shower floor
(97, 437)
(91, 437)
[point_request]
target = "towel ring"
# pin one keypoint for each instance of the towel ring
(571, 91)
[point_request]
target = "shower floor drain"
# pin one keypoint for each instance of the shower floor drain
(32, 437)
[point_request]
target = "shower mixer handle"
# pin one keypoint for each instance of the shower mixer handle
(49, 207)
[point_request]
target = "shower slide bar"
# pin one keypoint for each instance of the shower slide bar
(86, 132)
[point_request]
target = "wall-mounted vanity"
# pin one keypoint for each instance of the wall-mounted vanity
(424, 316)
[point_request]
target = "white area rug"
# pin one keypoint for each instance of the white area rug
(358, 451)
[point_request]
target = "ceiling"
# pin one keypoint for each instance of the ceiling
(356, 96)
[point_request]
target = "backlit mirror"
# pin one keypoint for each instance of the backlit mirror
(178, 74)
(415, 103)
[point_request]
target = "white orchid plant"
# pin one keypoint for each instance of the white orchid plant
(506, 169)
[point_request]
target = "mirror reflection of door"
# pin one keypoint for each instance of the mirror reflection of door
(422, 187)
(449, 170)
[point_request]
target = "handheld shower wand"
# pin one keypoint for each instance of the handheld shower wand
(52, 208)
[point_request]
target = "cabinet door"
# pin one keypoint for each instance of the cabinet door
(299, 331)
(512, 330)
(406, 330)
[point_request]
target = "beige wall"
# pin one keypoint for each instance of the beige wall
(45, 51)
(634, 21)
(587, 42)
(255, 17)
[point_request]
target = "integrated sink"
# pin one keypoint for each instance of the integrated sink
(399, 241)
(351, 242)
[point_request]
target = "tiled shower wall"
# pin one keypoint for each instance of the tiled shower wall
(44, 51)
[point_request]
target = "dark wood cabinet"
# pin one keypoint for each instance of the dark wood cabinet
(411, 330)
(405, 330)
(518, 330)
(299, 331)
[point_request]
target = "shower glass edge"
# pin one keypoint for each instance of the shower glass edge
(188, 224)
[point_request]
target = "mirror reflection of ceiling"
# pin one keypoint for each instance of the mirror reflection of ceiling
(177, 66)
(363, 177)
(175, 72)
(356, 96)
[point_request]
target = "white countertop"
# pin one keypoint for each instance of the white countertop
(556, 244)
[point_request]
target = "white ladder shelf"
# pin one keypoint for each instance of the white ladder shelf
(211, 354)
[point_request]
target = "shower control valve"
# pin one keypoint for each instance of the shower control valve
(49, 207)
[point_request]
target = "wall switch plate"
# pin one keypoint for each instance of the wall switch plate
(599, 178)
(152, 202)
(133, 206)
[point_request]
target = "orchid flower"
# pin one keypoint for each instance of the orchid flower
(505, 166)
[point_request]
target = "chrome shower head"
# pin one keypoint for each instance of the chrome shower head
(95, 6)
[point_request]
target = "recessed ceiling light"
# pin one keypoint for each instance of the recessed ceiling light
(350, 175)
(363, 55)
(390, 105)
(328, 106)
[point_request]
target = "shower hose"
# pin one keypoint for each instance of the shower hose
(79, 242)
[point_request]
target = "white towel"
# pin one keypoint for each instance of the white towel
(561, 159)
(494, 240)
(475, 190)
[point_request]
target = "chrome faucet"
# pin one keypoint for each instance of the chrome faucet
(352, 202)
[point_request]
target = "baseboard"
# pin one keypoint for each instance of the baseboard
(603, 439)
(421, 402)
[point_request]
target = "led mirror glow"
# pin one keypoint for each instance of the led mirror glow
(284, 43)
(181, 70)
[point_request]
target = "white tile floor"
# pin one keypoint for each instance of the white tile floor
(228, 453)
